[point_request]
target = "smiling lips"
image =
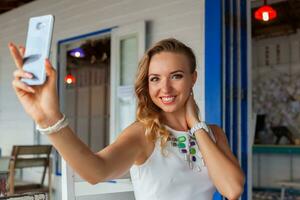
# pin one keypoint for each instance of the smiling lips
(168, 99)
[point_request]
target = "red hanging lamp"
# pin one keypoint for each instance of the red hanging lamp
(70, 79)
(265, 13)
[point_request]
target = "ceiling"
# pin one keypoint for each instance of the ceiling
(257, 3)
(287, 21)
(7, 5)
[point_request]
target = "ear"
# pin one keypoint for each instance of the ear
(194, 77)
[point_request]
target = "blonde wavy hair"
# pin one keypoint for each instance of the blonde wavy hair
(147, 112)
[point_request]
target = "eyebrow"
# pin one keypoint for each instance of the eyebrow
(170, 73)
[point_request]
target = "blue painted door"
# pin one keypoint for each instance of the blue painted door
(226, 70)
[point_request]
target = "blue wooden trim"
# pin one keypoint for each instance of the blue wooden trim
(228, 85)
(59, 43)
(213, 62)
(213, 65)
(213, 73)
(235, 78)
(57, 164)
(78, 37)
(244, 84)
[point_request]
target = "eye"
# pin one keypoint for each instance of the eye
(154, 79)
(177, 76)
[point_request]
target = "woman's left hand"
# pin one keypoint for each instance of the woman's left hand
(191, 111)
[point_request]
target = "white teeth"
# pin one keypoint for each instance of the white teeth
(167, 99)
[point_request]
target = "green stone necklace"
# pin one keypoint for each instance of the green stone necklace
(187, 145)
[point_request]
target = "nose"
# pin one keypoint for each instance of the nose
(166, 86)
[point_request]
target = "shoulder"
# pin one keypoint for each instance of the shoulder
(134, 132)
(136, 128)
(219, 134)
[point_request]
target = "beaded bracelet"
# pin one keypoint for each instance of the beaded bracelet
(60, 124)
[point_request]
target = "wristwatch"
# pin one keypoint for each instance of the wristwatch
(198, 126)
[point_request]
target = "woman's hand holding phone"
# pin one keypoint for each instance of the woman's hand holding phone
(41, 101)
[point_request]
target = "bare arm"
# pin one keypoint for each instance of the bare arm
(109, 163)
(41, 104)
(223, 167)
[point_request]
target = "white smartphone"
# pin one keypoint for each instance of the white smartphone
(38, 45)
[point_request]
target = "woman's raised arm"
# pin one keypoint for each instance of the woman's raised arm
(109, 163)
(42, 105)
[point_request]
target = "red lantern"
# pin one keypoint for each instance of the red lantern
(70, 79)
(265, 13)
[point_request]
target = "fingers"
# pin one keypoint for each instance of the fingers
(19, 85)
(16, 54)
(22, 51)
(20, 73)
(50, 71)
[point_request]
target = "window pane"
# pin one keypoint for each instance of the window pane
(129, 60)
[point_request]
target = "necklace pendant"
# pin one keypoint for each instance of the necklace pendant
(194, 158)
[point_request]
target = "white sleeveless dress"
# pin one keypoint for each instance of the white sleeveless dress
(171, 177)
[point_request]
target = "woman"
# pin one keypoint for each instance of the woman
(170, 153)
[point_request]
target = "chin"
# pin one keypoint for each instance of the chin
(168, 109)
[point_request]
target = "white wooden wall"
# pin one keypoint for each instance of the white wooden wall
(181, 19)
